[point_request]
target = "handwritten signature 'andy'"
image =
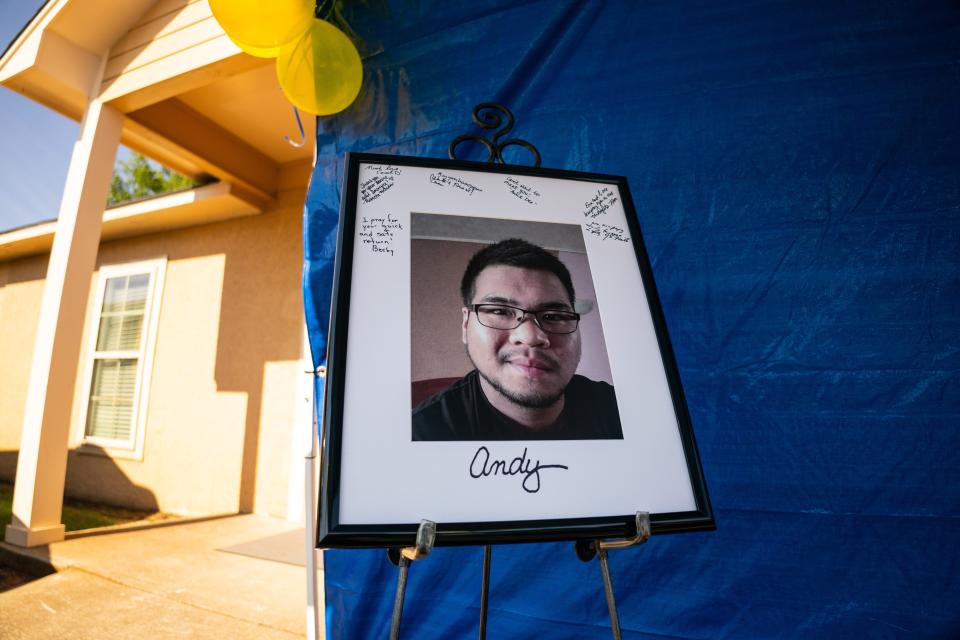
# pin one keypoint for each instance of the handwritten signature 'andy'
(482, 466)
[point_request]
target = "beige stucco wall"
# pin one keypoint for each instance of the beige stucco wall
(222, 395)
(21, 287)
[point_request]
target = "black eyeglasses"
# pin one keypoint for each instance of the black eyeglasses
(504, 316)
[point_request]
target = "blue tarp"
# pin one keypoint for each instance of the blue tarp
(795, 167)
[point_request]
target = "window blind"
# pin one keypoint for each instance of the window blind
(110, 412)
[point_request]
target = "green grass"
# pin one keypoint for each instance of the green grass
(77, 514)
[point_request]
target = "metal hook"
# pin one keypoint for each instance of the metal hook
(587, 549)
(303, 136)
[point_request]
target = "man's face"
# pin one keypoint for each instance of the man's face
(527, 366)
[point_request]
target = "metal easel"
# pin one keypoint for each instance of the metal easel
(587, 549)
(490, 115)
(426, 534)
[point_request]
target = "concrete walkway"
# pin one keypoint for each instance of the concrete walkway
(163, 582)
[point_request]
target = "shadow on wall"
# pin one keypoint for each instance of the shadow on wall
(261, 321)
(94, 476)
(260, 311)
(108, 485)
(112, 488)
(24, 270)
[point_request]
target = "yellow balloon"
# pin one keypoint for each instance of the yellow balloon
(261, 27)
(269, 52)
(320, 73)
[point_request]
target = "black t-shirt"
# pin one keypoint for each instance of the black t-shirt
(462, 412)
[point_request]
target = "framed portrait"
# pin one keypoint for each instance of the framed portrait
(498, 362)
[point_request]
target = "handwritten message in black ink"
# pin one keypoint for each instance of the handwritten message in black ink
(598, 204)
(386, 170)
(378, 233)
(374, 187)
(482, 466)
(523, 192)
(607, 231)
(444, 180)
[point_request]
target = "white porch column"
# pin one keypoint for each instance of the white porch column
(42, 462)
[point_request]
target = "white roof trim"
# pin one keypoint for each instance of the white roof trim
(188, 208)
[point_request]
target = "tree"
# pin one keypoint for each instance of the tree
(136, 177)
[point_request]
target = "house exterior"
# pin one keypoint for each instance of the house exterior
(153, 353)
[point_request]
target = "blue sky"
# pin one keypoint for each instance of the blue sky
(35, 142)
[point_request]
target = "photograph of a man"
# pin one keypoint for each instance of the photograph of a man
(521, 330)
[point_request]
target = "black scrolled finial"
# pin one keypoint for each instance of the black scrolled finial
(491, 115)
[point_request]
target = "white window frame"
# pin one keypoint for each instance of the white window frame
(133, 446)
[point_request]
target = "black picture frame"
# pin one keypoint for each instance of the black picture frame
(370, 179)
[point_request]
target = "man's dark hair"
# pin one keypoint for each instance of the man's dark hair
(513, 252)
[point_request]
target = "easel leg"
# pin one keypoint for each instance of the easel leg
(485, 592)
(404, 565)
(586, 550)
(608, 591)
(426, 534)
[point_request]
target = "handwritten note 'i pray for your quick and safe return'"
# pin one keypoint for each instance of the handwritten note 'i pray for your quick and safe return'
(377, 185)
(378, 233)
(521, 191)
(599, 203)
(446, 180)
